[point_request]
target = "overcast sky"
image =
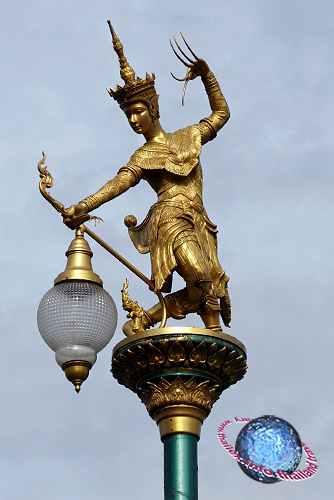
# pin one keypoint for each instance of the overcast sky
(268, 184)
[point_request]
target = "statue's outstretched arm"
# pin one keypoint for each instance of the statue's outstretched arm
(220, 110)
(117, 186)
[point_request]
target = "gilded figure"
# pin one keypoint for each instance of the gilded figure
(177, 231)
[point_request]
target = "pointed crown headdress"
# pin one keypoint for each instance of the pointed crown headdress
(135, 89)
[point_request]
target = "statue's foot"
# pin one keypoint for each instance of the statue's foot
(211, 321)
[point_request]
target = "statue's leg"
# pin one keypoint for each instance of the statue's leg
(193, 268)
(198, 296)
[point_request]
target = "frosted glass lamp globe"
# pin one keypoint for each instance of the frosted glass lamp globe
(77, 319)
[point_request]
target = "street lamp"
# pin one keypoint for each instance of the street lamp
(77, 318)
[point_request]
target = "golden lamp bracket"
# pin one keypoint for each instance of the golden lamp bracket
(79, 253)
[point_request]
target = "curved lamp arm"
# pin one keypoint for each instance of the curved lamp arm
(47, 182)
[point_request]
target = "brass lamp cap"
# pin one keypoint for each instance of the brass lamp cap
(79, 266)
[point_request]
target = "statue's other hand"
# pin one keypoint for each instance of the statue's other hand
(76, 215)
(195, 68)
(198, 68)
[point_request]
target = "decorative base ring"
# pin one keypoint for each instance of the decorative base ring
(180, 418)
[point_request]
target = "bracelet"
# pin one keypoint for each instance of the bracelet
(210, 83)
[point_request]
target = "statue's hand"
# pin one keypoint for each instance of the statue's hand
(76, 215)
(195, 68)
(198, 68)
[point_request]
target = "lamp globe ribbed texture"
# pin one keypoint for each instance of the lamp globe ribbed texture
(74, 314)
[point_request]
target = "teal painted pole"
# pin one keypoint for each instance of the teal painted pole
(180, 467)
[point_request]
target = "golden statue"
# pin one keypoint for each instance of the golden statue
(176, 232)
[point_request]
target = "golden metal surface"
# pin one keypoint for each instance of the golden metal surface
(165, 394)
(126, 71)
(179, 368)
(177, 330)
(183, 350)
(76, 372)
(132, 269)
(180, 418)
(79, 266)
(190, 75)
(140, 319)
(177, 231)
(135, 89)
(47, 182)
(79, 252)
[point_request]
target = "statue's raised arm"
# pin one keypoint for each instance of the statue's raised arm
(220, 110)
(177, 231)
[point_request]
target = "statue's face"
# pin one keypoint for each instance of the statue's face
(139, 117)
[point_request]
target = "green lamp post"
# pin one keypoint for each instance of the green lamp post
(178, 373)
